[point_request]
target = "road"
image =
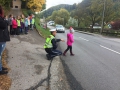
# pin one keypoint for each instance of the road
(96, 64)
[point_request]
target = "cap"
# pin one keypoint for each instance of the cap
(52, 30)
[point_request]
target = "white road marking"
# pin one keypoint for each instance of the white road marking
(83, 39)
(110, 49)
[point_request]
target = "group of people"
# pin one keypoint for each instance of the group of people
(51, 44)
(20, 24)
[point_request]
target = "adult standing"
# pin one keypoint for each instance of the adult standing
(6, 18)
(4, 37)
(70, 41)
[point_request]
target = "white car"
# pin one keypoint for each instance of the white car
(60, 28)
(51, 23)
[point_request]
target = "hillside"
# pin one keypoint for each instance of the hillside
(49, 11)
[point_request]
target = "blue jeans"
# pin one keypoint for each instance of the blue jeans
(2, 47)
(26, 29)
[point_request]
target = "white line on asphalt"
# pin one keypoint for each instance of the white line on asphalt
(83, 39)
(110, 49)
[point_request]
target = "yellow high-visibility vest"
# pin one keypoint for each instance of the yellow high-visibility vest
(48, 43)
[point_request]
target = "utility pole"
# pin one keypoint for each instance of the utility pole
(103, 17)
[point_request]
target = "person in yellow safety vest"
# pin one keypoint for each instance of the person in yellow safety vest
(50, 45)
(32, 23)
(19, 25)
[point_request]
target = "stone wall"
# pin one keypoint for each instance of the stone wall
(16, 4)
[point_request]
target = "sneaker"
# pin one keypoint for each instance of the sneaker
(72, 54)
(4, 68)
(3, 72)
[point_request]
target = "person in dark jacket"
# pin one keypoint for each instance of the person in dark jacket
(4, 36)
(51, 45)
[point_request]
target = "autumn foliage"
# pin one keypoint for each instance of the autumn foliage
(35, 5)
(115, 24)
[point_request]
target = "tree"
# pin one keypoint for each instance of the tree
(64, 14)
(61, 16)
(5, 3)
(35, 5)
(59, 20)
(54, 14)
(49, 11)
(72, 22)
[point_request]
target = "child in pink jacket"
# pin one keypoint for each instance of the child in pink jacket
(70, 41)
(14, 26)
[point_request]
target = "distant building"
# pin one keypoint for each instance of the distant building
(16, 4)
(115, 24)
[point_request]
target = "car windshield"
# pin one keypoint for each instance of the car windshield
(59, 26)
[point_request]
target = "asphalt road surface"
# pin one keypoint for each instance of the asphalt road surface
(96, 64)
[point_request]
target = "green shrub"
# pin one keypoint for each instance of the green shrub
(44, 32)
(72, 22)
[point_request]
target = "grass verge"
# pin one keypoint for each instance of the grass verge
(5, 81)
(44, 32)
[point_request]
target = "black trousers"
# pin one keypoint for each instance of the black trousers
(11, 31)
(18, 30)
(15, 31)
(69, 48)
(52, 53)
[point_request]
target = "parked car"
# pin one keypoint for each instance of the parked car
(51, 23)
(60, 28)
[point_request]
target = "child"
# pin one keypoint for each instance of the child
(14, 25)
(70, 41)
(32, 23)
(26, 25)
(19, 25)
(22, 26)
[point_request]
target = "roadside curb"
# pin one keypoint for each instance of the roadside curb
(88, 33)
(58, 80)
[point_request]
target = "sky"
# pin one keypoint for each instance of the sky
(51, 3)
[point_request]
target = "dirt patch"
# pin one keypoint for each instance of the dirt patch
(38, 68)
(5, 81)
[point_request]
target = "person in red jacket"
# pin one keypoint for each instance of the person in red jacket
(14, 26)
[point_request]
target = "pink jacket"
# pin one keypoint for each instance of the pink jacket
(14, 24)
(70, 39)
